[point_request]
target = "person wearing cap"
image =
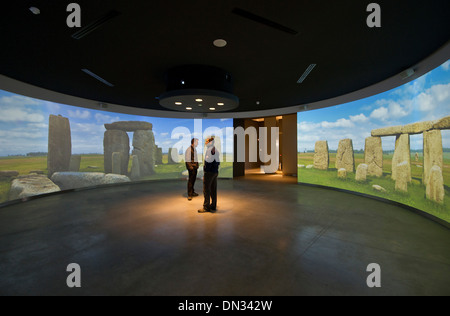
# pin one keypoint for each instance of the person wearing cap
(191, 161)
(211, 172)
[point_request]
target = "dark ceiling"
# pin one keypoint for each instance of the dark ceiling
(134, 49)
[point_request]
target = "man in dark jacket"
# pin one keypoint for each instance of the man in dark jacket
(211, 171)
(191, 160)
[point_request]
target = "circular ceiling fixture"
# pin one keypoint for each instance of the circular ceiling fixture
(198, 88)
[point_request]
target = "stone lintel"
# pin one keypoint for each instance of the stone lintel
(414, 128)
(129, 126)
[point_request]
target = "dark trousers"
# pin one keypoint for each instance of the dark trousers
(191, 181)
(210, 190)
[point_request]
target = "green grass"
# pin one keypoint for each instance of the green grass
(93, 161)
(415, 196)
(24, 164)
(416, 167)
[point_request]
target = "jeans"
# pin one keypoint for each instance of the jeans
(191, 181)
(210, 190)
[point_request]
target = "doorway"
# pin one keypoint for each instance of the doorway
(278, 154)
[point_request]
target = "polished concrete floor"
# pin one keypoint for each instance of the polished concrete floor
(270, 236)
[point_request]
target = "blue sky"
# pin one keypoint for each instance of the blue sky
(426, 98)
(24, 126)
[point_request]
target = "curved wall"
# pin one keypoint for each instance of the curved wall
(394, 145)
(47, 147)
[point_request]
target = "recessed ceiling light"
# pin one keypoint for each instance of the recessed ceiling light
(220, 42)
(188, 108)
(199, 100)
(182, 81)
(212, 109)
(200, 104)
(178, 103)
(220, 103)
(35, 10)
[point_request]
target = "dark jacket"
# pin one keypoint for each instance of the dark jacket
(191, 158)
(212, 160)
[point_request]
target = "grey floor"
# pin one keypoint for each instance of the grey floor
(270, 236)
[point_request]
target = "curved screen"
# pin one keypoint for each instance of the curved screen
(395, 145)
(48, 147)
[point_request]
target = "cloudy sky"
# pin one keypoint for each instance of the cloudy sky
(24, 127)
(426, 98)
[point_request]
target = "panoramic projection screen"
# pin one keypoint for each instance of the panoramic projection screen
(47, 147)
(394, 145)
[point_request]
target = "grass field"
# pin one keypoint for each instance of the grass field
(416, 191)
(93, 163)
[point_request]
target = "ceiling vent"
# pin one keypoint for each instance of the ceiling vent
(306, 73)
(95, 25)
(90, 73)
(259, 19)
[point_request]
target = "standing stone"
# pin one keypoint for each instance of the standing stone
(416, 157)
(116, 141)
(321, 156)
(135, 170)
(345, 157)
(373, 156)
(342, 173)
(117, 163)
(144, 148)
(432, 153)
(361, 172)
(59, 144)
(158, 155)
(401, 181)
(75, 162)
(401, 154)
(435, 186)
(173, 153)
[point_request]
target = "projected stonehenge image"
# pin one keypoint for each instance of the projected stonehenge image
(89, 148)
(432, 177)
(372, 146)
(372, 167)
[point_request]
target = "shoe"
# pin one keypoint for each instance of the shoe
(213, 209)
(189, 198)
(195, 194)
(202, 210)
